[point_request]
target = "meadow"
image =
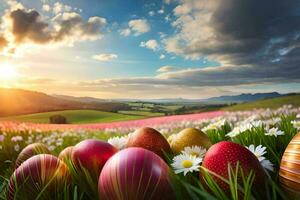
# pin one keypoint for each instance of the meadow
(81, 116)
(265, 132)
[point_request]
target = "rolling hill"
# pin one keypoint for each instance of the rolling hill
(267, 103)
(18, 102)
(76, 117)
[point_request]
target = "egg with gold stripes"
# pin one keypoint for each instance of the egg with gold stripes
(40, 177)
(289, 173)
(135, 174)
(31, 150)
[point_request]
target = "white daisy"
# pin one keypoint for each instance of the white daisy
(259, 151)
(118, 142)
(274, 132)
(235, 132)
(194, 151)
(215, 126)
(186, 163)
(296, 124)
(267, 165)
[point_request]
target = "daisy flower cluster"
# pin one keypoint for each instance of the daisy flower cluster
(189, 160)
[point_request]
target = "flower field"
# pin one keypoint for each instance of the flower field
(189, 164)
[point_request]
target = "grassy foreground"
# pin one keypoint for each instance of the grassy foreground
(271, 131)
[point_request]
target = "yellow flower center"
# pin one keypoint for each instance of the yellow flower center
(194, 154)
(187, 163)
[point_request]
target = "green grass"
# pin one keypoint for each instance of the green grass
(267, 103)
(141, 113)
(78, 116)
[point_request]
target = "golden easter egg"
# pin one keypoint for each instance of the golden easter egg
(289, 173)
(187, 138)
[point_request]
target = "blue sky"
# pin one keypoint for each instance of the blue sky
(149, 49)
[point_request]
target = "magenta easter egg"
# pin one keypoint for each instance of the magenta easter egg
(135, 174)
(31, 150)
(90, 156)
(43, 175)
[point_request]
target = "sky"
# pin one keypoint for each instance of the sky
(144, 49)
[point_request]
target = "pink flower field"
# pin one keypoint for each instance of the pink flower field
(155, 121)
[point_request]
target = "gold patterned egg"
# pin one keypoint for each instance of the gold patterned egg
(289, 173)
(187, 138)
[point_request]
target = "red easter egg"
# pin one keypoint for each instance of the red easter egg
(135, 174)
(151, 139)
(42, 174)
(224, 154)
(90, 156)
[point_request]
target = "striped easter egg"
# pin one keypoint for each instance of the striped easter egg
(135, 174)
(31, 150)
(40, 176)
(289, 174)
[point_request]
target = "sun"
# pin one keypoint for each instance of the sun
(7, 72)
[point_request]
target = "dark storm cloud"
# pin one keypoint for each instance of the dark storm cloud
(30, 26)
(259, 39)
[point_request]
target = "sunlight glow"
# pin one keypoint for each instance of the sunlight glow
(7, 72)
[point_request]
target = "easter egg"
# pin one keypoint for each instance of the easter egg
(151, 139)
(289, 173)
(42, 174)
(223, 155)
(31, 150)
(187, 138)
(89, 156)
(135, 174)
(66, 154)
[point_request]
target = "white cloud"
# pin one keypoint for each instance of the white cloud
(161, 11)
(105, 57)
(166, 68)
(162, 56)
(46, 8)
(59, 8)
(150, 44)
(183, 9)
(167, 1)
(151, 13)
(125, 32)
(139, 26)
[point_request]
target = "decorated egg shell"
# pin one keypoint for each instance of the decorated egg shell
(289, 173)
(31, 150)
(189, 137)
(135, 174)
(40, 176)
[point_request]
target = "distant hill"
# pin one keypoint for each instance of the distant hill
(243, 98)
(17, 102)
(217, 100)
(293, 99)
(81, 99)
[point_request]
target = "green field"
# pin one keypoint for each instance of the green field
(79, 116)
(141, 113)
(267, 103)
